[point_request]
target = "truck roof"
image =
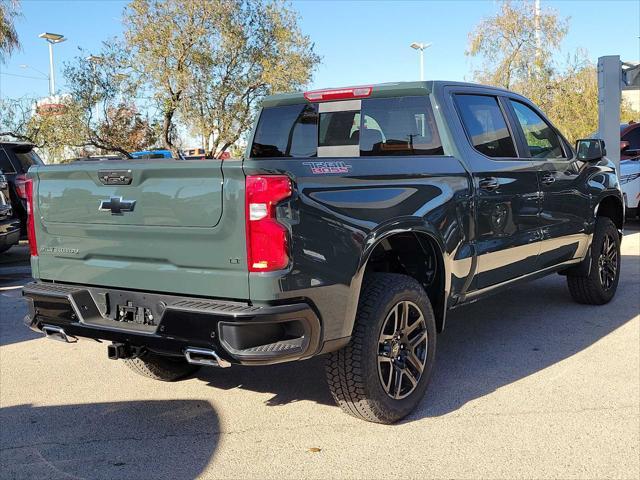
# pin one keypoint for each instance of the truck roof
(380, 90)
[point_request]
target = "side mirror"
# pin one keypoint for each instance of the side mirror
(624, 145)
(590, 149)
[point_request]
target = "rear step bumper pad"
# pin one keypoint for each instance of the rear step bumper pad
(170, 324)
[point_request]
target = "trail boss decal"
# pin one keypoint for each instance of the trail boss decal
(319, 168)
(61, 250)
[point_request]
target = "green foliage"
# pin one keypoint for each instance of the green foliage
(209, 63)
(512, 58)
(509, 46)
(197, 66)
(55, 133)
(8, 36)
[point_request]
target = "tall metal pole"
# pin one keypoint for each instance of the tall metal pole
(421, 64)
(52, 80)
(537, 27)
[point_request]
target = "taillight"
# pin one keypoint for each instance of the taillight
(20, 183)
(31, 225)
(338, 93)
(267, 244)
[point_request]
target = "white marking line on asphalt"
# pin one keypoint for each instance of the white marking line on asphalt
(15, 287)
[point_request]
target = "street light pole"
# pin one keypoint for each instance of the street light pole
(52, 78)
(52, 39)
(421, 47)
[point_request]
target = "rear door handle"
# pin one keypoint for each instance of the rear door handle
(489, 183)
(548, 179)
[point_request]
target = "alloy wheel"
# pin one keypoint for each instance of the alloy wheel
(402, 350)
(608, 262)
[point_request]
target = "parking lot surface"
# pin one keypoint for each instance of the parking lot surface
(527, 384)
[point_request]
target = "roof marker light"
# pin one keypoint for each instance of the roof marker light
(338, 93)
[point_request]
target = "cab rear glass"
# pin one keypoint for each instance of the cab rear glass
(380, 127)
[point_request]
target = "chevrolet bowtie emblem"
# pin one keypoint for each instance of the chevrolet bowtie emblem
(116, 205)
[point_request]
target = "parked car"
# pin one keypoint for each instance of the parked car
(629, 140)
(149, 154)
(630, 183)
(97, 158)
(358, 217)
(9, 224)
(15, 160)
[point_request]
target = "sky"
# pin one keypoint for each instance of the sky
(360, 42)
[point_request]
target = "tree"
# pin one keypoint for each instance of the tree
(513, 58)
(163, 50)
(260, 50)
(55, 131)
(8, 36)
(125, 127)
(516, 44)
(105, 92)
(210, 62)
(98, 115)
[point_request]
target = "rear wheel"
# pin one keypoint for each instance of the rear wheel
(599, 285)
(159, 367)
(383, 373)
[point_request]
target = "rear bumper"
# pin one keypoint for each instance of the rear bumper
(167, 324)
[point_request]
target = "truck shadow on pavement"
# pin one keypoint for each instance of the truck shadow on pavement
(485, 346)
(138, 439)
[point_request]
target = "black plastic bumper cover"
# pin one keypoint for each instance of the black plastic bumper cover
(240, 333)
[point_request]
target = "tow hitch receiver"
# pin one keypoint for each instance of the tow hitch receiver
(116, 351)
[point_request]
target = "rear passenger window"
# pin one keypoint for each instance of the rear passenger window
(541, 139)
(485, 125)
(398, 126)
(287, 131)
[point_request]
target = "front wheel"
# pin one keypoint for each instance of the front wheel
(599, 285)
(384, 371)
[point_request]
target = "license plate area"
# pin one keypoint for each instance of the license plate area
(130, 313)
(134, 311)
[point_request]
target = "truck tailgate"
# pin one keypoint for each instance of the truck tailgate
(167, 226)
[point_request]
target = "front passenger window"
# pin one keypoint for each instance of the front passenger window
(541, 139)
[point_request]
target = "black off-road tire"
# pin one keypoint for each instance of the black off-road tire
(589, 289)
(159, 367)
(352, 372)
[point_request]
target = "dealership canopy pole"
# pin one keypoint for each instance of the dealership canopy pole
(609, 99)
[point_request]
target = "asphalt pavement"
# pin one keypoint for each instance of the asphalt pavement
(527, 384)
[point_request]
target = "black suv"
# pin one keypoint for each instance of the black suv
(9, 225)
(15, 160)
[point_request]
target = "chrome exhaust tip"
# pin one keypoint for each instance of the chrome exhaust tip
(203, 356)
(57, 333)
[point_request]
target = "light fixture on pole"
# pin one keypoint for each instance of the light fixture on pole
(421, 46)
(52, 39)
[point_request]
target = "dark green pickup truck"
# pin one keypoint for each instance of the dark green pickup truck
(357, 218)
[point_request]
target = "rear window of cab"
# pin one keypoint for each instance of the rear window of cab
(369, 127)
